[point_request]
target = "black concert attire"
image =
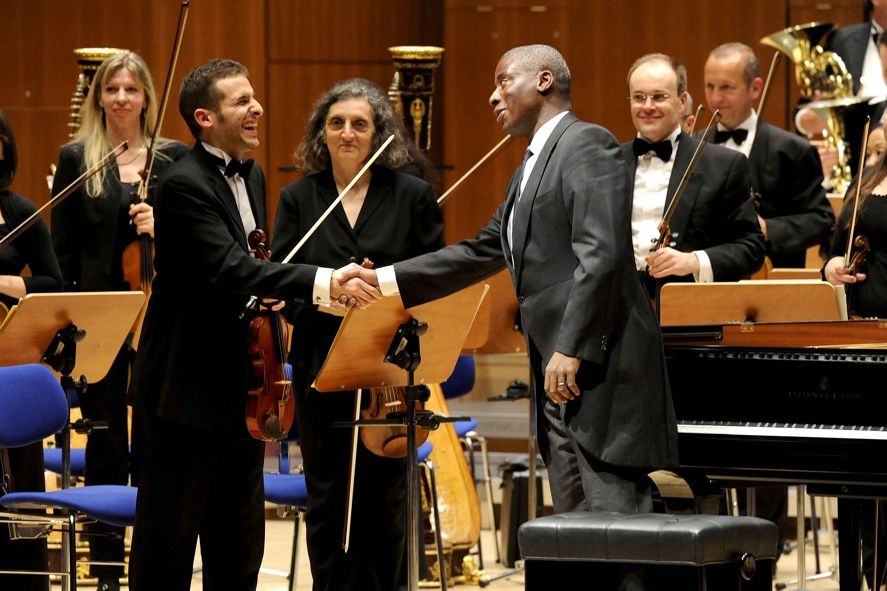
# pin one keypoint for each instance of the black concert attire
(34, 249)
(201, 471)
(89, 235)
(398, 219)
(867, 299)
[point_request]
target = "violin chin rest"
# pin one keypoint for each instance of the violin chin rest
(272, 427)
(395, 447)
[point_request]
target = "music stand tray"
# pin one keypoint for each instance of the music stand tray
(107, 318)
(357, 356)
(687, 304)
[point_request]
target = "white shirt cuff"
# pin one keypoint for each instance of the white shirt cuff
(322, 279)
(387, 281)
(706, 275)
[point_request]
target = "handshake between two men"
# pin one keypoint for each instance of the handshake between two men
(354, 285)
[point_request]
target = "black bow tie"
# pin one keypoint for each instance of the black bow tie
(241, 167)
(662, 149)
(737, 134)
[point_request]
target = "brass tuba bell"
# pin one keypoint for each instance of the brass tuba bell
(834, 112)
(820, 74)
(823, 78)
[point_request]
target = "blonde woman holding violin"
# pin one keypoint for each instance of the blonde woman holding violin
(90, 231)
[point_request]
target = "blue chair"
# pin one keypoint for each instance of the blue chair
(32, 407)
(52, 460)
(460, 383)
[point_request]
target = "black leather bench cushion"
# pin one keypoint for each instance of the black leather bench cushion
(646, 538)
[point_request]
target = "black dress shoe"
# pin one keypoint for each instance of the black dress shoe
(108, 585)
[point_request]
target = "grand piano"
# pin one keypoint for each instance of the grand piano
(784, 403)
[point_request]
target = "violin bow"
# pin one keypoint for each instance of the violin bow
(664, 229)
(76, 184)
(338, 199)
(855, 212)
(164, 99)
(496, 149)
(765, 92)
(699, 111)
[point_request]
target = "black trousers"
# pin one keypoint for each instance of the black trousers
(197, 483)
(377, 546)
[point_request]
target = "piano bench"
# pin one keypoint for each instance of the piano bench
(704, 552)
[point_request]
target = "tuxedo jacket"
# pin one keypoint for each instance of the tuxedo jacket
(573, 270)
(192, 364)
(850, 43)
(786, 180)
(87, 232)
(715, 213)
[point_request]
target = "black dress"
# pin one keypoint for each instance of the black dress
(32, 248)
(399, 219)
(868, 299)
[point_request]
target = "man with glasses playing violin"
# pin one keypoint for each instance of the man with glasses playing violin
(714, 233)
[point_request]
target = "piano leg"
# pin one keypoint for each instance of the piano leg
(849, 566)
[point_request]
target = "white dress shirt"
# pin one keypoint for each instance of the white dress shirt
(648, 206)
(321, 293)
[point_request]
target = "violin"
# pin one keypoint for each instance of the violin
(853, 260)
(270, 406)
(389, 441)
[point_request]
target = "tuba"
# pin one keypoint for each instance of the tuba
(412, 88)
(820, 74)
(835, 112)
(823, 78)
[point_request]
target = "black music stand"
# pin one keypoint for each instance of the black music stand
(380, 347)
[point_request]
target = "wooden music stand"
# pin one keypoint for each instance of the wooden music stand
(106, 317)
(357, 356)
(380, 346)
(688, 304)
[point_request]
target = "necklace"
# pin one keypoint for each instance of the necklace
(135, 157)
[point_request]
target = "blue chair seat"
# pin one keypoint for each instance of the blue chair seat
(109, 503)
(464, 427)
(52, 460)
(286, 489)
(424, 451)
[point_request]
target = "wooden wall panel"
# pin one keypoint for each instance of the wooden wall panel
(40, 69)
(624, 31)
(342, 30)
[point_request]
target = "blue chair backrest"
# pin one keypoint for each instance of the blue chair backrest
(32, 405)
(461, 381)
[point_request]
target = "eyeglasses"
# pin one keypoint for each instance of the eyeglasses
(641, 99)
